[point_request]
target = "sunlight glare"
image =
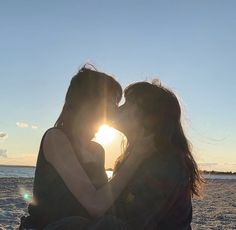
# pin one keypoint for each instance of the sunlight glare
(109, 173)
(105, 134)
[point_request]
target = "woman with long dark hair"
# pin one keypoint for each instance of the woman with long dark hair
(159, 194)
(70, 185)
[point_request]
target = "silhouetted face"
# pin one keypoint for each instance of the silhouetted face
(95, 113)
(128, 118)
(104, 112)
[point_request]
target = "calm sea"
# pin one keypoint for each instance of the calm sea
(12, 171)
(21, 171)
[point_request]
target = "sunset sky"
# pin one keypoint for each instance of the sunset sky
(189, 45)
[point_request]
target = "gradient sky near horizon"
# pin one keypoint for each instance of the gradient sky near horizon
(189, 45)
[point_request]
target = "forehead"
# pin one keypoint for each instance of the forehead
(136, 95)
(138, 90)
(133, 100)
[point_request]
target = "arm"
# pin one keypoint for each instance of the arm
(59, 152)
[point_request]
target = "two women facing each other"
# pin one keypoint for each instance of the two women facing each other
(153, 181)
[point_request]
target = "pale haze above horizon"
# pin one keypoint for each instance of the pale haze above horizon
(190, 46)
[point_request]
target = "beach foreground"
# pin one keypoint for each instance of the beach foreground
(216, 209)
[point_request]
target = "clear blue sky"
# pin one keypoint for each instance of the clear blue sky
(189, 45)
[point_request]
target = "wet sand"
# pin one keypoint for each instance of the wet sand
(216, 209)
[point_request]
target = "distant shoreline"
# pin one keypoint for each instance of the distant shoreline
(110, 169)
(217, 172)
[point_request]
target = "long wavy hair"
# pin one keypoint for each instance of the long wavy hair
(157, 103)
(85, 86)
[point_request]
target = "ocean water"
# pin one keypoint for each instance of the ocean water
(220, 176)
(28, 172)
(16, 171)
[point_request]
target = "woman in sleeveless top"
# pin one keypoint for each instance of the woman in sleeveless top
(71, 189)
(159, 194)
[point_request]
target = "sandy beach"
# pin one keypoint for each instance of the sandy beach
(216, 209)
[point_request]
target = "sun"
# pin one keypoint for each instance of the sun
(105, 134)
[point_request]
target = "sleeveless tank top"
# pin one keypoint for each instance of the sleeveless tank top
(52, 200)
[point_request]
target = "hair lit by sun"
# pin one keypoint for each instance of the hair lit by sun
(105, 134)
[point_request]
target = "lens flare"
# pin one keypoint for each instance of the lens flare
(25, 194)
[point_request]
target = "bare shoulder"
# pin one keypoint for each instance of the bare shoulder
(54, 134)
(55, 141)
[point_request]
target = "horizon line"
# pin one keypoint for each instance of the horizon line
(26, 166)
(110, 169)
